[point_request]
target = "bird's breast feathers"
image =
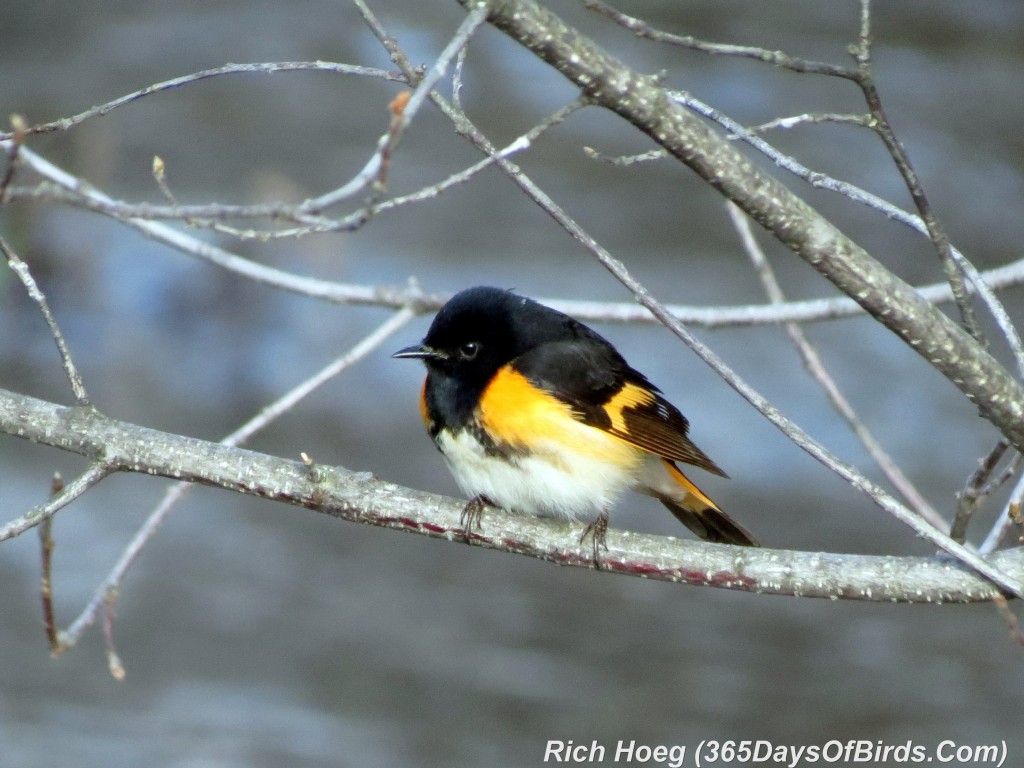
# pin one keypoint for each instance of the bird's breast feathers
(537, 457)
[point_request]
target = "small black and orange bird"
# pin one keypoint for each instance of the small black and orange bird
(534, 411)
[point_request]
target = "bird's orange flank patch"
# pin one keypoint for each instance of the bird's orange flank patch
(515, 412)
(424, 413)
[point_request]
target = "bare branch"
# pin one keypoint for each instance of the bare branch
(46, 546)
(1012, 517)
(1012, 625)
(973, 492)
(210, 216)
(403, 116)
(358, 497)
(460, 63)
(398, 58)
(13, 148)
(785, 123)
(96, 472)
(105, 596)
(865, 79)
(228, 69)
(775, 58)
(980, 283)
(20, 268)
(625, 160)
(812, 310)
(371, 174)
(113, 659)
(641, 100)
(815, 366)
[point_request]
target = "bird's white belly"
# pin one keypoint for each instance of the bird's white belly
(547, 481)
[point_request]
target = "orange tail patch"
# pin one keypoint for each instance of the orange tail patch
(701, 515)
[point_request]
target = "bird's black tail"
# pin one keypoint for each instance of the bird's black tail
(700, 514)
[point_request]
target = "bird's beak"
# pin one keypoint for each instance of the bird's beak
(418, 351)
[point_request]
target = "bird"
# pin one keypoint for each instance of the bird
(536, 412)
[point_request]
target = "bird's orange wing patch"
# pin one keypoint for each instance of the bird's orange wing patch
(632, 397)
(643, 418)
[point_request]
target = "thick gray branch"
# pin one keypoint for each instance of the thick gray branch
(359, 497)
(642, 101)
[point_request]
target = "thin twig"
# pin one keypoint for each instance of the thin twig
(207, 216)
(299, 392)
(303, 213)
(863, 77)
(518, 145)
(625, 160)
(1008, 473)
(776, 58)
(1012, 624)
(109, 613)
(105, 595)
(20, 268)
(54, 504)
(13, 148)
(815, 366)
(809, 118)
(357, 219)
(1010, 518)
(460, 63)
(46, 581)
(195, 215)
(375, 170)
(398, 58)
(66, 123)
(373, 175)
(972, 494)
(865, 80)
(982, 283)
(811, 310)
(160, 176)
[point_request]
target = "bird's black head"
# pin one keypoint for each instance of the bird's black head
(481, 329)
(478, 331)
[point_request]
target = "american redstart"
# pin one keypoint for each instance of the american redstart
(534, 411)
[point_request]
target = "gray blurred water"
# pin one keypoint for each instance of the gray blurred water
(259, 635)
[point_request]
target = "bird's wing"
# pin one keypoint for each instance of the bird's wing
(604, 392)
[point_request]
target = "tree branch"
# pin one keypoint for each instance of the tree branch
(105, 595)
(60, 499)
(816, 367)
(979, 283)
(880, 122)
(67, 123)
(20, 268)
(359, 497)
(775, 58)
(810, 310)
(642, 101)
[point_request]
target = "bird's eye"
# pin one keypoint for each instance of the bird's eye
(469, 350)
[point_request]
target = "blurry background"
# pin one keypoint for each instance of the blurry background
(260, 635)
